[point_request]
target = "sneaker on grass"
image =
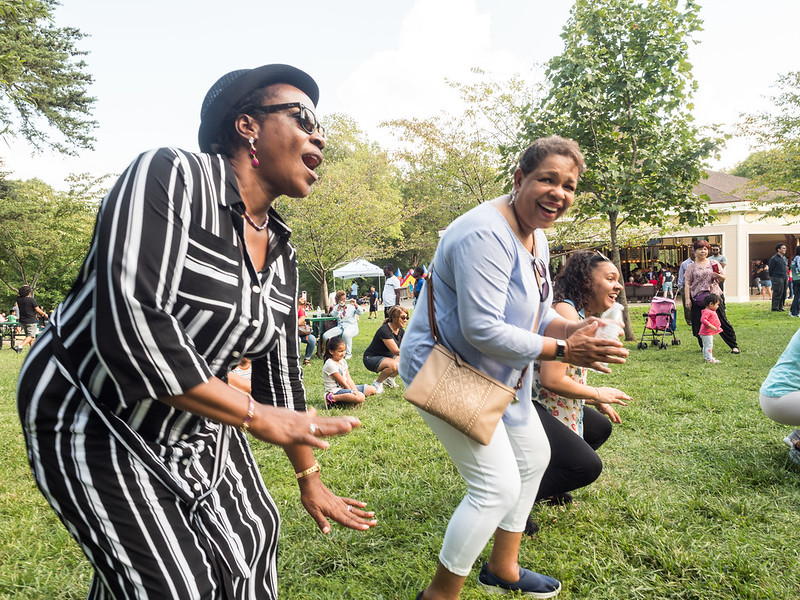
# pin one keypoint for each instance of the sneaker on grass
(390, 382)
(530, 584)
(378, 387)
(791, 439)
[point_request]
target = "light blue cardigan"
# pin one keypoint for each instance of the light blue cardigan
(486, 299)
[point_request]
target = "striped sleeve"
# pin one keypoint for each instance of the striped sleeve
(141, 241)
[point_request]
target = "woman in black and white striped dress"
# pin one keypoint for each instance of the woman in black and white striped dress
(133, 435)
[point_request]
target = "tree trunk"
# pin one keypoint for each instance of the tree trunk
(323, 291)
(623, 297)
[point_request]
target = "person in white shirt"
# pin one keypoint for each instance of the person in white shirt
(391, 290)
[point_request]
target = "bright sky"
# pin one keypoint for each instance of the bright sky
(154, 60)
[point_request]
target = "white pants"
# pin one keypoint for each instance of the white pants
(785, 410)
(708, 346)
(347, 333)
(502, 479)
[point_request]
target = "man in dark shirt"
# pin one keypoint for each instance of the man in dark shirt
(27, 310)
(778, 273)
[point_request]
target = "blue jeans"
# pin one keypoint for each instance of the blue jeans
(311, 343)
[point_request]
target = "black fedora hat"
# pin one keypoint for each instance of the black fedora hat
(233, 86)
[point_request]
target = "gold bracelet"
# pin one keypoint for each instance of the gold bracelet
(251, 409)
(312, 469)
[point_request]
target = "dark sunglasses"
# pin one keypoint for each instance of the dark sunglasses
(306, 117)
(540, 269)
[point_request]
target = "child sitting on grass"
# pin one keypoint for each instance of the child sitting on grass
(709, 326)
(339, 386)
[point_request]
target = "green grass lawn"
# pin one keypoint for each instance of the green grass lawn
(697, 500)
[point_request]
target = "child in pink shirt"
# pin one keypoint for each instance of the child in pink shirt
(709, 326)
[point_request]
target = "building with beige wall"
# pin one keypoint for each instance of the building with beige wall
(744, 233)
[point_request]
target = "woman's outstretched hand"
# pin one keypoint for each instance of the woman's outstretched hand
(609, 395)
(322, 504)
(284, 427)
(612, 415)
(585, 350)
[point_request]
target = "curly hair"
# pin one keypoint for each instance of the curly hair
(575, 281)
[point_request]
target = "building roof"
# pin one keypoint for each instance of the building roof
(721, 187)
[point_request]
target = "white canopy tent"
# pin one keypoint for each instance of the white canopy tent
(358, 268)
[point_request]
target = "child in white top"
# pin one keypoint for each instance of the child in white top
(339, 386)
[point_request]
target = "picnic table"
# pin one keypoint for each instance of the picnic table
(318, 328)
(316, 324)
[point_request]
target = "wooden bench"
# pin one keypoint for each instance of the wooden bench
(640, 293)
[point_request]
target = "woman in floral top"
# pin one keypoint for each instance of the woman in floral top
(587, 286)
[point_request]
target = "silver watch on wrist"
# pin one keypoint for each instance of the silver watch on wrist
(561, 348)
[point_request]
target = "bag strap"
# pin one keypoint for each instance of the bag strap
(435, 329)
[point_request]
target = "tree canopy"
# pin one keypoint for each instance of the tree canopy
(450, 163)
(355, 209)
(777, 132)
(43, 80)
(44, 235)
(443, 174)
(622, 88)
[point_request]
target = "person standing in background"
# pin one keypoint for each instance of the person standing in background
(391, 290)
(419, 281)
(373, 302)
(700, 279)
(794, 309)
(778, 274)
(28, 309)
(681, 281)
(716, 256)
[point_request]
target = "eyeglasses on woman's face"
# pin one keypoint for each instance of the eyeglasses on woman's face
(404, 317)
(305, 117)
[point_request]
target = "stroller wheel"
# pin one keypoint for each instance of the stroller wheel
(676, 342)
(642, 345)
(663, 346)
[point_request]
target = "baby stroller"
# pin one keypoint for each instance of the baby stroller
(659, 323)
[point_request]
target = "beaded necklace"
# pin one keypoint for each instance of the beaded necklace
(253, 224)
